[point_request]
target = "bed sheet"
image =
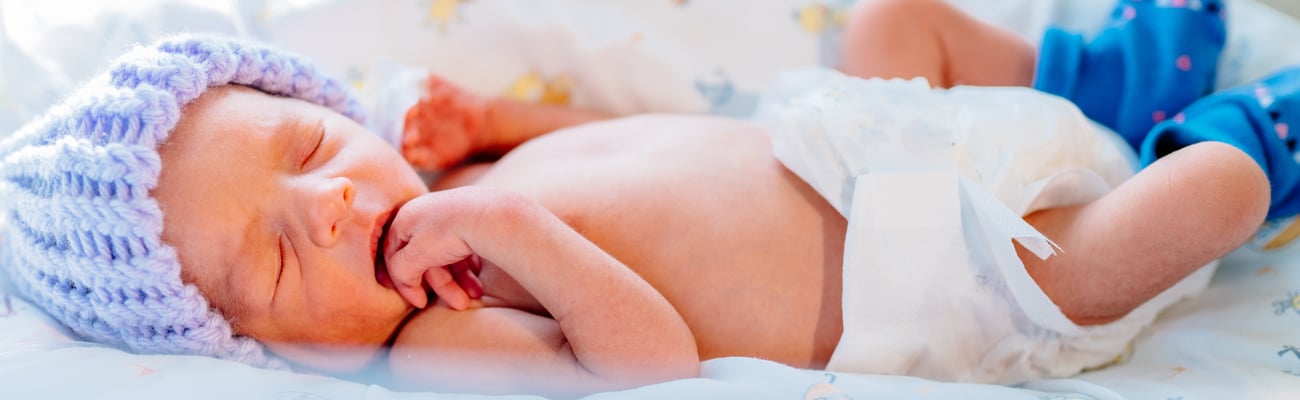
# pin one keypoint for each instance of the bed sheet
(1240, 339)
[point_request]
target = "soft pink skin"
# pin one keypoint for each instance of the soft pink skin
(235, 196)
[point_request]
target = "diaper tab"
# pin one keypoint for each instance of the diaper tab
(991, 222)
(1005, 222)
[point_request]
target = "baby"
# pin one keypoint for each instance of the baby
(212, 197)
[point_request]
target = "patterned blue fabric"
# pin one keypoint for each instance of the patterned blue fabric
(83, 235)
(1255, 118)
(1155, 58)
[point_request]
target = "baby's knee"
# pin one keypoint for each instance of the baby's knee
(886, 15)
(1230, 179)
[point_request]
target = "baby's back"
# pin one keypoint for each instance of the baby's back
(699, 207)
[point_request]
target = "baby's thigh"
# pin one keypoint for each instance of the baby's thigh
(933, 39)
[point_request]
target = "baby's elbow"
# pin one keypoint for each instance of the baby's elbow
(686, 366)
(663, 367)
(632, 375)
(679, 358)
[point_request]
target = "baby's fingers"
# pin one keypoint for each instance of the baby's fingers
(410, 288)
(468, 281)
(421, 157)
(417, 149)
(421, 242)
(445, 286)
(406, 267)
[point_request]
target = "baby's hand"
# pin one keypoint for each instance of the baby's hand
(424, 247)
(446, 126)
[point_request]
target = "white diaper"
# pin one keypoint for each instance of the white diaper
(934, 184)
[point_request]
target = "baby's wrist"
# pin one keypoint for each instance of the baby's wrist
(487, 137)
(475, 119)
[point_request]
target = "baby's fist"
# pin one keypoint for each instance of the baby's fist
(447, 125)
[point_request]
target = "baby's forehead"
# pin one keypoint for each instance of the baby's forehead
(238, 102)
(238, 114)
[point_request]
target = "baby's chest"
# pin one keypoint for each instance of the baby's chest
(677, 197)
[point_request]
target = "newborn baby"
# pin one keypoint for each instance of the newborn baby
(211, 197)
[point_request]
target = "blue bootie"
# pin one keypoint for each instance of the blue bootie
(1155, 58)
(1256, 118)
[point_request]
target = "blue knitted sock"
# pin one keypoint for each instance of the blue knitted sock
(1151, 61)
(1255, 118)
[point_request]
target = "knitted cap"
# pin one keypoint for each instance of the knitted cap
(83, 236)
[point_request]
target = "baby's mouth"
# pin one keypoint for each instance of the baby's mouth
(381, 266)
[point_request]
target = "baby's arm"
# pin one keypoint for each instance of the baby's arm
(606, 327)
(449, 124)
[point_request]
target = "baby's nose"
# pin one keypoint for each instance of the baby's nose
(329, 206)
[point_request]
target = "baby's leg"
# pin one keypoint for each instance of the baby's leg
(1186, 209)
(933, 40)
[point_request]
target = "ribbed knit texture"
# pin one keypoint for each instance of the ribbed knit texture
(81, 234)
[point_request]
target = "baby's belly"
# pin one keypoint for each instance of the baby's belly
(746, 252)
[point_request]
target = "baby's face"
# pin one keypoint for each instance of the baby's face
(275, 207)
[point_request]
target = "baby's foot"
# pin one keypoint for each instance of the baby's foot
(447, 125)
(1257, 119)
(1152, 60)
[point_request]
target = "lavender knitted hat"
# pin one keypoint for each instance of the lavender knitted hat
(83, 236)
